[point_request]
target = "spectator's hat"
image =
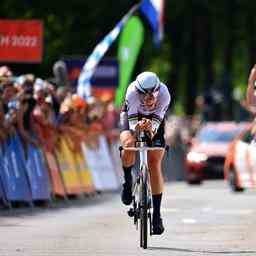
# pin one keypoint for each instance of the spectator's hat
(39, 85)
(78, 102)
(66, 105)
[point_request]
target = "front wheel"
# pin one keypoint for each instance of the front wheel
(144, 216)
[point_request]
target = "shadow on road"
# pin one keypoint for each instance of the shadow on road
(59, 204)
(199, 251)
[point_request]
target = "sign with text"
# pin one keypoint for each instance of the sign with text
(21, 40)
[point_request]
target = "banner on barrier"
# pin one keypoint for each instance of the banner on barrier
(115, 156)
(14, 178)
(84, 173)
(68, 168)
(37, 174)
(2, 194)
(4, 176)
(8, 178)
(56, 179)
(101, 166)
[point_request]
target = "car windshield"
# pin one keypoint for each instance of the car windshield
(214, 135)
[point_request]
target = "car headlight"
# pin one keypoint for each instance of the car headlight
(196, 157)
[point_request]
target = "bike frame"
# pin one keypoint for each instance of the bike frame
(142, 183)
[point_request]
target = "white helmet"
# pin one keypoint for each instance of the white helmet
(147, 82)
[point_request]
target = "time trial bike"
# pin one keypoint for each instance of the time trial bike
(141, 209)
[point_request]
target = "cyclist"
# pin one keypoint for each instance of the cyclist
(251, 100)
(251, 89)
(146, 103)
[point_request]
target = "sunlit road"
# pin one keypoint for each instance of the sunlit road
(203, 220)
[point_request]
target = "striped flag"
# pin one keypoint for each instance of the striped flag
(154, 12)
(84, 86)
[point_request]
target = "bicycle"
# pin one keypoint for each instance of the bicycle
(142, 195)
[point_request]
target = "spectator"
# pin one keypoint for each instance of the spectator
(11, 117)
(8, 93)
(35, 107)
(26, 121)
(251, 89)
(3, 133)
(5, 72)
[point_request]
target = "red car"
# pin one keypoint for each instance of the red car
(206, 155)
(240, 164)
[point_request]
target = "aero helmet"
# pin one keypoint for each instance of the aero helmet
(147, 82)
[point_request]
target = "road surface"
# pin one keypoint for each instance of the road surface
(199, 220)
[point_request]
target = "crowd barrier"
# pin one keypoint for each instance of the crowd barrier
(65, 165)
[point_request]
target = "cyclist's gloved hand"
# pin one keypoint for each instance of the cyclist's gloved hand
(144, 125)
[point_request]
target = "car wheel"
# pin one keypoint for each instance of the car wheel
(194, 182)
(232, 179)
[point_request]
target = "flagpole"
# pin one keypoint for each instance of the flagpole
(84, 86)
(131, 11)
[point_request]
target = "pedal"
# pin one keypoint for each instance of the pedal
(131, 212)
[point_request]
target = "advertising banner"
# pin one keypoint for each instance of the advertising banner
(84, 173)
(21, 41)
(13, 175)
(8, 178)
(130, 43)
(2, 191)
(101, 166)
(56, 179)
(3, 177)
(68, 168)
(116, 159)
(37, 174)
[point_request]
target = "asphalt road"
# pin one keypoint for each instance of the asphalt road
(201, 220)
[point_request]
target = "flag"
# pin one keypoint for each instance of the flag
(154, 12)
(84, 86)
(130, 42)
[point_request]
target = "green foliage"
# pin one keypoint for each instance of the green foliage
(218, 35)
(179, 108)
(161, 62)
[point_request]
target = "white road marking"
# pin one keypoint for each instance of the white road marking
(207, 209)
(189, 221)
(235, 212)
(170, 210)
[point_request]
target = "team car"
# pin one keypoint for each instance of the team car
(209, 147)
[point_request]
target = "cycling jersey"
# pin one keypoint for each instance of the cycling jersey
(136, 109)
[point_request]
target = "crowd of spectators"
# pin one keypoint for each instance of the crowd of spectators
(28, 102)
